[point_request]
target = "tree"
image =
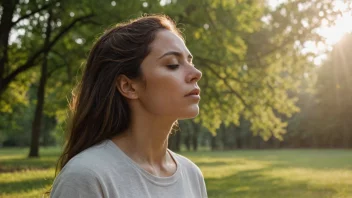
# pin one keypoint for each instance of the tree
(36, 125)
(249, 53)
(251, 58)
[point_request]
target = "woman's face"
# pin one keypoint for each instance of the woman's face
(169, 76)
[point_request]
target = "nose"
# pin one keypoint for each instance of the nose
(194, 75)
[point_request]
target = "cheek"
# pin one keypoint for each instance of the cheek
(164, 93)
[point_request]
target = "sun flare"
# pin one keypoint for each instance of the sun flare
(331, 33)
(342, 26)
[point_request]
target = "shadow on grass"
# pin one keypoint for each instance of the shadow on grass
(12, 165)
(313, 159)
(252, 184)
(25, 185)
(321, 159)
(249, 183)
(16, 160)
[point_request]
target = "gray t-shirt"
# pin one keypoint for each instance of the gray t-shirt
(106, 171)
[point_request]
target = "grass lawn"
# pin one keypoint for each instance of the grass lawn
(245, 174)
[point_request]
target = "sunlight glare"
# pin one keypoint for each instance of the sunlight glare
(335, 33)
(332, 34)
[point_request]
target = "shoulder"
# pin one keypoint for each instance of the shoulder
(86, 164)
(193, 173)
(89, 165)
(84, 173)
(93, 159)
(76, 180)
(73, 173)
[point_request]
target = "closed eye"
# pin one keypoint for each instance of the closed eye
(173, 67)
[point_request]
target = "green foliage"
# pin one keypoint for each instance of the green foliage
(250, 55)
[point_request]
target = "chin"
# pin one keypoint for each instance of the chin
(189, 114)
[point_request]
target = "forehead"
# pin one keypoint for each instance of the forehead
(166, 41)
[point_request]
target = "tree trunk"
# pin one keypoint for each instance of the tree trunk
(188, 140)
(174, 141)
(45, 133)
(186, 133)
(8, 7)
(36, 125)
(238, 137)
(195, 141)
(214, 145)
(196, 128)
(45, 138)
(178, 141)
(223, 137)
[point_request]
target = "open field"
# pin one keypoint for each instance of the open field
(245, 173)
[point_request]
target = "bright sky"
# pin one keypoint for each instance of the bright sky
(332, 34)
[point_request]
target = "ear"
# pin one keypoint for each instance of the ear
(127, 87)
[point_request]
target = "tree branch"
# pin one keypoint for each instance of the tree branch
(30, 62)
(206, 60)
(228, 85)
(35, 11)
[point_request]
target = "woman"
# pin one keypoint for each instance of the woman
(138, 81)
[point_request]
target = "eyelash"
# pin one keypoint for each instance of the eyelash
(175, 66)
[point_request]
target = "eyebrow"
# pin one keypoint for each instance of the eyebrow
(174, 53)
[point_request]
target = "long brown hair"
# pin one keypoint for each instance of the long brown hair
(98, 110)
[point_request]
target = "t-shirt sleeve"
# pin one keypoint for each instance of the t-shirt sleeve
(203, 188)
(196, 175)
(77, 183)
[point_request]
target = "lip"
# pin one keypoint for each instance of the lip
(194, 92)
(196, 97)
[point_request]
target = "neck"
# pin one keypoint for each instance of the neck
(146, 140)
